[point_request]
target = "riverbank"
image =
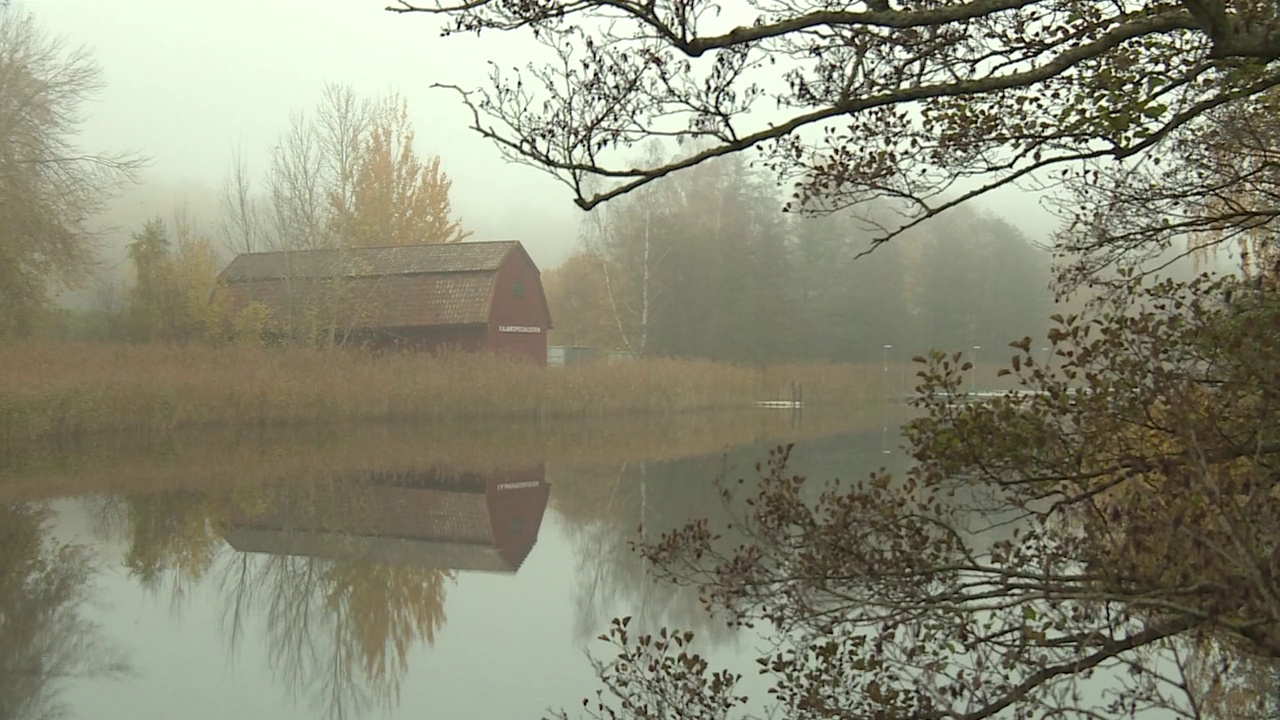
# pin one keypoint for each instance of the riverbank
(51, 389)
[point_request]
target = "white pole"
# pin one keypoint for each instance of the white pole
(974, 372)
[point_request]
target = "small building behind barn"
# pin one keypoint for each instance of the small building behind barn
(559, 355)
(468, 296)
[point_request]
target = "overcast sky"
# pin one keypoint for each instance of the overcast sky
(188, 81)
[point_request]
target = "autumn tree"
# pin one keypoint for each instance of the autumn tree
(313, 164)
(49, 186)
(344, 175)
(396, 198)
(171, 299)
(579, 298)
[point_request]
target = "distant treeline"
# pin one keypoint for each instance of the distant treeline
(703, 264)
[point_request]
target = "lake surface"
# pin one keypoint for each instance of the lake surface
(366, 572)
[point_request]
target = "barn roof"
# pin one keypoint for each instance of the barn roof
(370, 262)
(384, 287)
(393, 300)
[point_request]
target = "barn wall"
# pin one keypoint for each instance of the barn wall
(465, 338)
(510, 310)
(516, 502)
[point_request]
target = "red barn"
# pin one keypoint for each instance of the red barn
(470, 296)
(433, 518)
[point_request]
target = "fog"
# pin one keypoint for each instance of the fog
(187, 83)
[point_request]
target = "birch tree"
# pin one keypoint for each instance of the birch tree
(635, 241)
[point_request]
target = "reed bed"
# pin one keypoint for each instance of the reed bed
(51, 389)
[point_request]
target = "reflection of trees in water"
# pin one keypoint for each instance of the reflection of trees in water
(337, 631)
(44, 639)
(617, 506)
(608, 508)
(169, 537)
(171, 534)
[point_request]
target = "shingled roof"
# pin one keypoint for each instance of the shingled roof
(388, 287)
(370, 262)
(394, 300)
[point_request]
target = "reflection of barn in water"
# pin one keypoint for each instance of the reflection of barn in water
(433, 518)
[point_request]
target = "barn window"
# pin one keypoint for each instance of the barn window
(517, 288)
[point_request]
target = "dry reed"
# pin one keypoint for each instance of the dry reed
(50, 389)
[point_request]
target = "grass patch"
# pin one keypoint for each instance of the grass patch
(53, 389)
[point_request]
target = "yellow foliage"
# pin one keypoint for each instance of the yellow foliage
(389, 609)
(397, 199)
(173, 297)
(251, 325)
(195, 267)
(580, 304)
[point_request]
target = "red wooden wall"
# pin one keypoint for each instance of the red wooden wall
(517, 309)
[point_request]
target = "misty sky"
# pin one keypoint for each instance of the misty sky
(186, 82)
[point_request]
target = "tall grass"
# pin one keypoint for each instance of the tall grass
(50, 389)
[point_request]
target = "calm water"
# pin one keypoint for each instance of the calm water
(387, 573)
